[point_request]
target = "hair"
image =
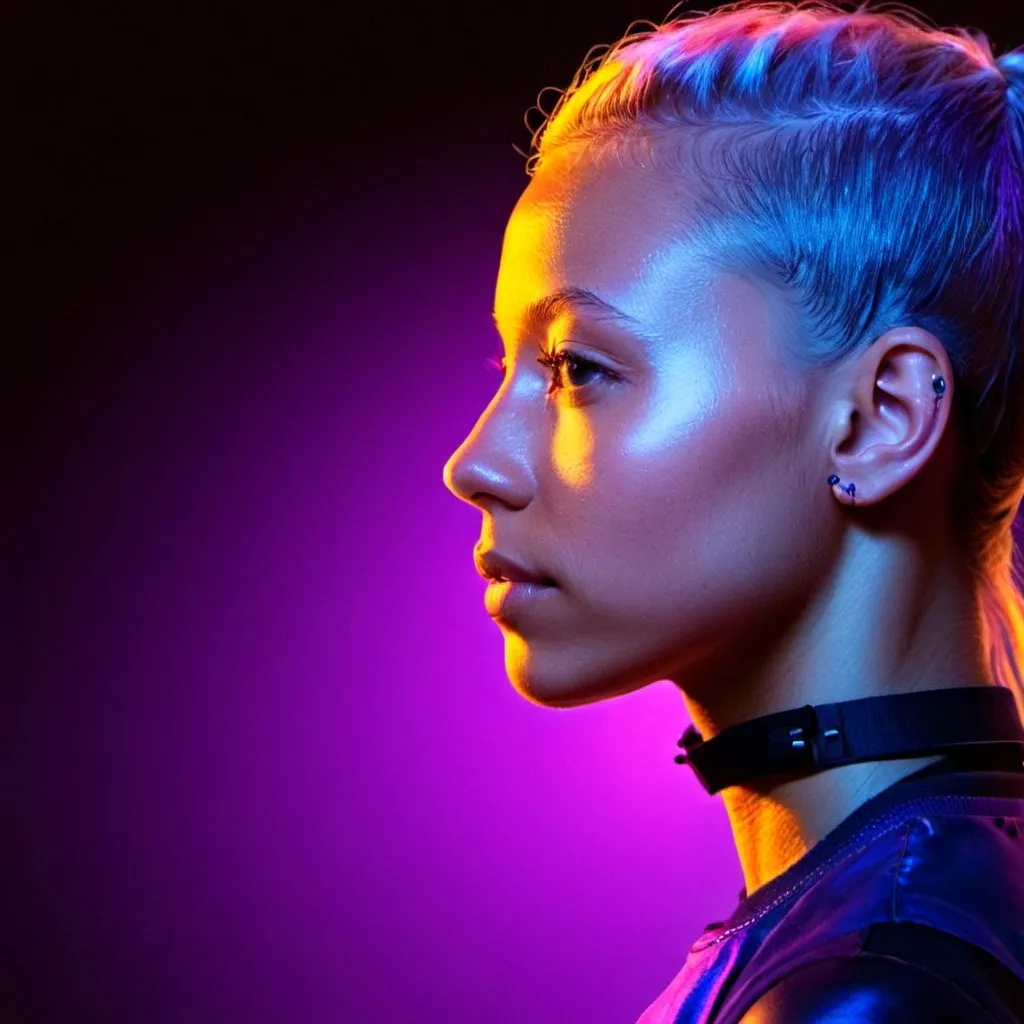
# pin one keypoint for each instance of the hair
(872, 165)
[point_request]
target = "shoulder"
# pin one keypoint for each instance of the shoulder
(842, 990)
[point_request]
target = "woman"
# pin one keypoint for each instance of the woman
(759, 432)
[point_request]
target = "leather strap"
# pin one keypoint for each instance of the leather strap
(816, 737)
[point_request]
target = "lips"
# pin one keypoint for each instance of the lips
(493, 565)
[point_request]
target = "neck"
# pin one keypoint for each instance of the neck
(908, 625)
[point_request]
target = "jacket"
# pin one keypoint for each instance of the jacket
(912, 909)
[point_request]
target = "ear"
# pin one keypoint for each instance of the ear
(888, 418)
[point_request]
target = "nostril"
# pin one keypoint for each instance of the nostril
(1000, 822)
(1012, 829)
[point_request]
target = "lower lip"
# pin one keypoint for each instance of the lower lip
(509, 595)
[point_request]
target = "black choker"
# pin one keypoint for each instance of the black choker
(816, 737)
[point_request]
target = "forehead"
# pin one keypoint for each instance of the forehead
(614, 226)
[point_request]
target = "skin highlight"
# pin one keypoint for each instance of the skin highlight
(676, 492)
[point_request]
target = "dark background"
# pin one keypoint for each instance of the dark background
(136, 129)
(167, 162)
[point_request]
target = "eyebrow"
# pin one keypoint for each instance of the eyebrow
(566, 300)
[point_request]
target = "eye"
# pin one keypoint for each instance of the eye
(576, 364)
(555, 361)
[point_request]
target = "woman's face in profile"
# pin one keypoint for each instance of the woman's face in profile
(662, 476)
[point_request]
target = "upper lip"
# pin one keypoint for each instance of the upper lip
(495, 566)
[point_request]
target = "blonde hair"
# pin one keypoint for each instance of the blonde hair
(860, 138)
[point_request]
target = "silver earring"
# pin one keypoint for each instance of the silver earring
(939, 387)
(850, 488)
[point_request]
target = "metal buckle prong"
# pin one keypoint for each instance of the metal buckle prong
(794, 740)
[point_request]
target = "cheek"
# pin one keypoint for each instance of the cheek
(573, 450)
(696, 508)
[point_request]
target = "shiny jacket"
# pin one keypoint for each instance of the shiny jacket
(912, 909)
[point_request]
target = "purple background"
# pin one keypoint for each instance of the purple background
(286, 777)
(266, 765)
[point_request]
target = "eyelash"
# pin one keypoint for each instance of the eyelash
(555, 360)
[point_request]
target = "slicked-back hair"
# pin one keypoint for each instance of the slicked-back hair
(872, 165)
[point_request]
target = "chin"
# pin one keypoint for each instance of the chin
(548, 684)
(553, 698)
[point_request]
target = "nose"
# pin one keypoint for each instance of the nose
(490, 463)
(453, 474)
(470, 473)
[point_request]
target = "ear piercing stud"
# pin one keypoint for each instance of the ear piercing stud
(939, 387)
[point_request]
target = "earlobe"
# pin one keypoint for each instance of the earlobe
(849, 490)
